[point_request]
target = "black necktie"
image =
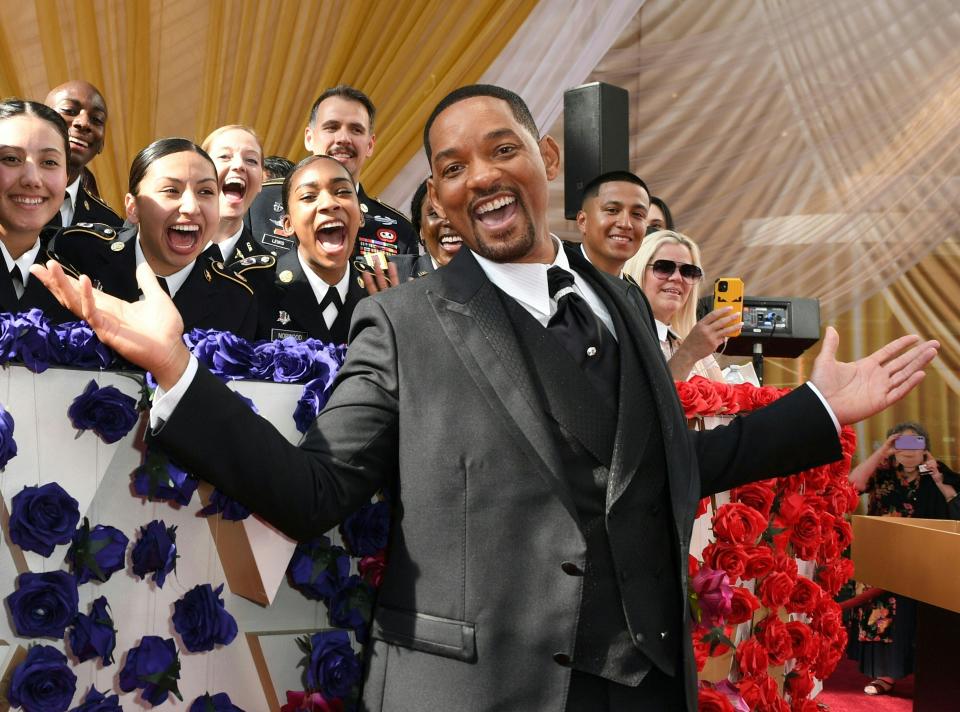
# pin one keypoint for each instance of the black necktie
(16, 278)
(584, 335)
(162, 281)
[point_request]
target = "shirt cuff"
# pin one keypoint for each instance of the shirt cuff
(165, 402)
(833, 417)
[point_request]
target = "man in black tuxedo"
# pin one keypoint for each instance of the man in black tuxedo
(544, 501)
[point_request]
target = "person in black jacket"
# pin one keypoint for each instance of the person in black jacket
(84, 109)
(173, 205)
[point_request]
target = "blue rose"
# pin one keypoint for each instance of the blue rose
(159, 478)
(292, 361)
(352, 607)
(97, 553)
(36, 343)
(42, 682)
(202, 621)
(219, 702)
(233, 358)
(8, 446)
(98, 702)
(203, 345)
(43, 604)
(226, 507)
(155, 551)
(106, 411)
(332, 666)
(8, 337)
(264, 353)
(94, 636)
(43, 517)
(315, 395)
(78, 346)
(365, 531)
(318, 570)
(154, 667)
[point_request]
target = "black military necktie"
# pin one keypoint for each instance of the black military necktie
(162, 281)
(583, 334)
(331, 297)
(16, 278)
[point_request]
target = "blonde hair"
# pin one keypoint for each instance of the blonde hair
(208, 141)
(636, 267)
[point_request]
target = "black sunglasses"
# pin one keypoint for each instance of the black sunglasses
(665, 268)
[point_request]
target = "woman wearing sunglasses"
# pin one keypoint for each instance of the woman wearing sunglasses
(667, 268)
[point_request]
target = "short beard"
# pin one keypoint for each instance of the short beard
(502, 248)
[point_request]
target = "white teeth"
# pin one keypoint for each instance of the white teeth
(27, 201)
(235, 181)
(331, 225)
(79, 142)
(496, 204)
(185, 228)
(451, 240)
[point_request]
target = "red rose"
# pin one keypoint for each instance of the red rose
(727, 557)
(371, 568)
(759, 692)
(786, 564)
(702, 507)
(848, 439)
(804, 597)
(815, 479)
(827, 619)
(692, 565)
(833, 575)
(758, 495)
(742, 605)
(764, 396)
(713, 403)
(310, 702)
(827, 659)
(752, 658)
(759, 562)
(803, 642)
(776, 640)
(742, 397)
(799, 683)
(805, 535)
(775, 590)
(737, 523)
(690, 399)
(709, 700)
(840, 498)
(791, 507)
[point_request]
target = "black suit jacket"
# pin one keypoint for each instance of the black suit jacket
(210, 298)
(288, 306)
(436, 402)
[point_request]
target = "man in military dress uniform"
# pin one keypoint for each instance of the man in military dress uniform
(340, 126)
(207, 295)
(84, 109)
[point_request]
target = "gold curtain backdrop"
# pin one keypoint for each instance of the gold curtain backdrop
(184, 67)
(810, 147)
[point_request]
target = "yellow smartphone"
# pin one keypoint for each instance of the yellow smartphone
(728, 292)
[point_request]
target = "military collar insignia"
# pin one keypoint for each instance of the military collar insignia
(283, 318)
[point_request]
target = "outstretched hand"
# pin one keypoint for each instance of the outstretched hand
(380, 279)
(860, 389)
(148, 333)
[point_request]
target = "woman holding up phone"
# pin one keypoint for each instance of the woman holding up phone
(903, 480)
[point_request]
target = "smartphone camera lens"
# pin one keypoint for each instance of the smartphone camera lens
(722, 286)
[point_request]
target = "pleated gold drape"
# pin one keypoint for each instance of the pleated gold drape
(184, 67)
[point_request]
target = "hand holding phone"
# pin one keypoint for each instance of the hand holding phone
(728, 292)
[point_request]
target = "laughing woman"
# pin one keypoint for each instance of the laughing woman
(238, 156)
(33, 177)
(173, 205)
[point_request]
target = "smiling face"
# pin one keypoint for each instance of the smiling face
(342, 131)
(613, 224)
(85, 111)
(439, 237)
(33, 176)
(324, 212)
(239, 160)
(667, 295)
(176, 207)
(490, 180)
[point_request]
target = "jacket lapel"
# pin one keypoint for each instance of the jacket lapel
(472, 315)
(195, 298)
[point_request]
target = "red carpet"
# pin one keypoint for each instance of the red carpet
(843, 692)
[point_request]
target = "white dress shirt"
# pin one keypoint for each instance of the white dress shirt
(175, 280)
(320, 288)
(23, 261)
(69, 205)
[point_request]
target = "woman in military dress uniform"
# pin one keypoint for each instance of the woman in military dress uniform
(34, 151)
(173, 205)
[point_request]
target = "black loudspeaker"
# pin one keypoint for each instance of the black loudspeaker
(596, 138)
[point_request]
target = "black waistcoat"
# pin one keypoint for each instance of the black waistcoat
(585, 430)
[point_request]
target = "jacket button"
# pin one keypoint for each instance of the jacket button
(571, 569)
(639, 638)
(561, 659)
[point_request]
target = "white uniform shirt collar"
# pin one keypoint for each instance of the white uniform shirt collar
(23, 261)
(227, 246)
(583, 249)
(175, 280)
(320, 287)
(69, 205)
